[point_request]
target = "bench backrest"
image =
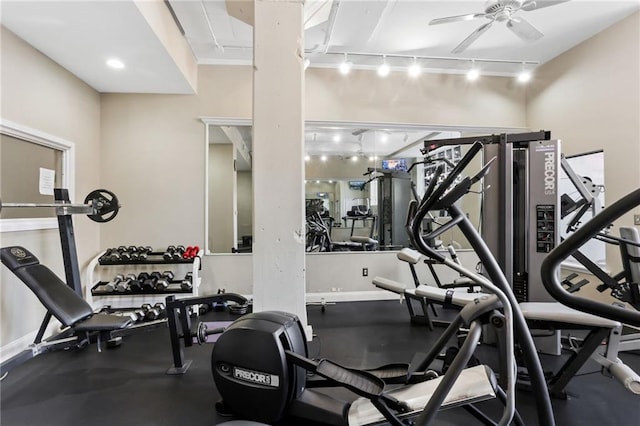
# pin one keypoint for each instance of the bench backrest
(59, 299)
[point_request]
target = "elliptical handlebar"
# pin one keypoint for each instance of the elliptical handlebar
(437, 194)
(589, 230)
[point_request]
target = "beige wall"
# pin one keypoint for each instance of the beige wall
(222, 191)
(589, 98)
(157, 141)
(245, 204)
(38, 93)
(431, 99)
(147, 135)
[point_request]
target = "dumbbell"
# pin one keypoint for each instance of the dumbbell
(128, 314)
(115, 255)
(203, 331)
(110, 287)
(187, 282)
(179, 252)
(125, 256)
(191, 252)
(125, 284)
(161, 282)
(106, 255)
(133, 252)
(143, 252)
(140, 314)
(154, 312)
(147, 282)
(135, 285)
(168, 254)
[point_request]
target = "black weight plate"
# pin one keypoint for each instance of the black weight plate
(106, 203)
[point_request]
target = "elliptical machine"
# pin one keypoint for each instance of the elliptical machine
(260, 362)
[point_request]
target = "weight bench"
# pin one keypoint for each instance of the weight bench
(61, 302)
(425, 296)
(555, 316)
(412, 257)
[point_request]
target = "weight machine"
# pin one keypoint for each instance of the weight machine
(100, 206)
(521, 211)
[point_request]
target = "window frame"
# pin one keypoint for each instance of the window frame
(38, 137)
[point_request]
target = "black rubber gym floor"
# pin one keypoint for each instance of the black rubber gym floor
(128, 385)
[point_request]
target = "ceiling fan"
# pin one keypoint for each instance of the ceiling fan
(501, 11)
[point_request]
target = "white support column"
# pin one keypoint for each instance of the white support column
(278, 158)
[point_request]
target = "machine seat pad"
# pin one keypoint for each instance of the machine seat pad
(474, 384)
(388, 284)
(459, 298)
(464, 281)
(103, 322)
(557, 312)
(363, 240)
(410, 256)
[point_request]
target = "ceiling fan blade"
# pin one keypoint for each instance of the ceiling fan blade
(523, 29)
(539, 4)
(457, 18)
(472, 37)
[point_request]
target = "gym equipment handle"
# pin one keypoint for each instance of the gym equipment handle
(552, 262)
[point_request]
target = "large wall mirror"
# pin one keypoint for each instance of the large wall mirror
(359, 180)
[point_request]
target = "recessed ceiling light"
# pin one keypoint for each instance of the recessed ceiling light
(384, 138)
(317, 181)
(115, 63)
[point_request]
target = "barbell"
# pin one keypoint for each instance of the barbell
(100, 205)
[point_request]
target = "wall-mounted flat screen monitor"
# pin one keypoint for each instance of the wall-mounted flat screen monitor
(396, 165)
(356, 184)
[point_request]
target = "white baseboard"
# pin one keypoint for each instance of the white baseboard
(351, 296)
(14, 348)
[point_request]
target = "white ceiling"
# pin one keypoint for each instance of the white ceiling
(81, 35)
(400, 27)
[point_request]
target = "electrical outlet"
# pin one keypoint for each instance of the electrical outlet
(636, 219)
(365, 272)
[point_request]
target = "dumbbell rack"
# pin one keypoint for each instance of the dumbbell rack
(108, 269)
